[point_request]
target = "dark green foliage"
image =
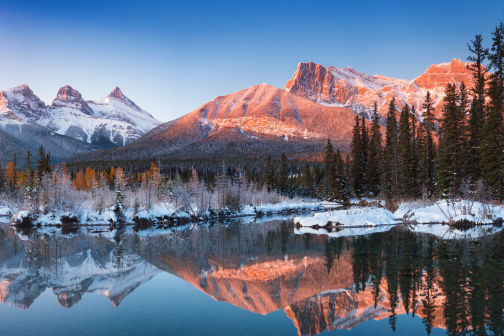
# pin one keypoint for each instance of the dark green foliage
(283, 182)
(477, 110)
(390, 183)
(359, 157)
(427, 148)
(452, 144)
(491, 155)
(375, 161)
(406, 178)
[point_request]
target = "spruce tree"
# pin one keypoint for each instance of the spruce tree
(477, 111)
(427, 173)
(270, 174)
(374, 171)
(415, 154)
(450, 165)
(341, 185)
(491, 159)
(358, 157)
(390, 182)
(365, 151)
(405, 153)
(283, 179)
(41, 162)
(329, 171)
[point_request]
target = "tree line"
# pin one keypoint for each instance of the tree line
(421, 156)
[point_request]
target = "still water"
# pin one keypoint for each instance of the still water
(249, 279)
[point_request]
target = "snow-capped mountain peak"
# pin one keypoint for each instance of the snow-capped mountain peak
(71, 98)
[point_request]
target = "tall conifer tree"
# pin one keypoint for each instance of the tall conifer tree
(477, 111)
(390, 182)
(358, 157)
(451, 163)
(374, 173)
(427, 173)
(491, 155)
(405, 153)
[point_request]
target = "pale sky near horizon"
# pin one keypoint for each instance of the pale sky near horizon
(170, 57)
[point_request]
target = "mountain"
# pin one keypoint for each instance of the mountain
(348, 87)
(252, 122)
(82, 270)
(70, 125)
(316, 104)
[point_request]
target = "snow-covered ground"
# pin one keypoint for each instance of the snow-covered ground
(418, 216)
(5, 211)
(163, 211)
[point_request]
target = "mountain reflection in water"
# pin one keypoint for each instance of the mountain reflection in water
(321, 283)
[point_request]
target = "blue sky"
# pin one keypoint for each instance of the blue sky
(170, 57)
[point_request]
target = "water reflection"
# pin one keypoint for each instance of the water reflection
(321, 283)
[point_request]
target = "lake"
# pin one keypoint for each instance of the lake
(256, 278)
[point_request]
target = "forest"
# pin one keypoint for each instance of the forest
(416, 156)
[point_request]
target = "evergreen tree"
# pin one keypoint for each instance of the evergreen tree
(491, 160)
(374, 172)
(41, 163)
(283, 179)
(329, 171)
(405, 153)
(452, 147)
(415, 154)
(270, 174)
(427, 173)
(341, 181)
(477, 111)
(358, 159)
(390, 182)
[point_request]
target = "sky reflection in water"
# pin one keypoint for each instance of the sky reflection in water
(249, 279)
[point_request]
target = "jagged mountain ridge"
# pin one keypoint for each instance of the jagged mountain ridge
(86, 125)
(350, 88)
(316, 104)
(87, 271)
(256, 121)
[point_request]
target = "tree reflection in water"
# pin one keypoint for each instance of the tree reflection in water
(320, 282)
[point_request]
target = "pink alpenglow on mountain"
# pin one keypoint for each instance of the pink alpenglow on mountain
(346, 87)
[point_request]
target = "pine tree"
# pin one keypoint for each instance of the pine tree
(41, 163)
(477, 111)
(374, 172)
(427, 173)
(450, 165)
(491, 155)
(341, 182)
(358, 157)
(415, 154)
(329, 171)
(270, 174)
(390, 182)
(283, 179)
(405, 153)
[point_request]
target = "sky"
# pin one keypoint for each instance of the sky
(170, 57)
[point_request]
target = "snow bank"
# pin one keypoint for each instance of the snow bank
(351, 217)
(5, 211)
(443, 211)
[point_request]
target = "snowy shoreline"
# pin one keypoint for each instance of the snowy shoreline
(159, 214)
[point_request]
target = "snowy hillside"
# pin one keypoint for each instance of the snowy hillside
(109, 122)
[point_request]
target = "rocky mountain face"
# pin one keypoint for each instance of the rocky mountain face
(253, 122)
(89, 267)
(316, 104)
(350, 88)
(70, 125)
